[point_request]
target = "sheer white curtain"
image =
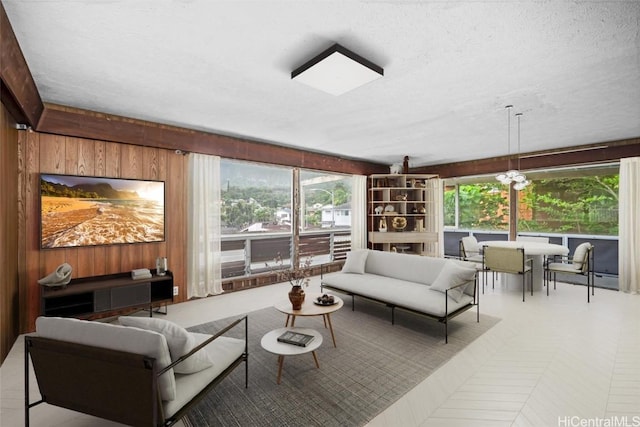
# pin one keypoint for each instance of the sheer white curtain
(629, 226)
(359, 212)
(204, 272)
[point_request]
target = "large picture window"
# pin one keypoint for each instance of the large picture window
(574, 201)
(257, 216)
(585, 203)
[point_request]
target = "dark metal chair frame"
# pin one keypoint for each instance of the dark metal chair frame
(110, 384)
(589, 271)
(526, 263)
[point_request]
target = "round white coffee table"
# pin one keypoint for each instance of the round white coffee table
(311, 308)
(270, 343)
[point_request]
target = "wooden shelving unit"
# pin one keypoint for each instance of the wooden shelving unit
(409, 199)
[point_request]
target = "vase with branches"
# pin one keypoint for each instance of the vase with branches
(297, 276)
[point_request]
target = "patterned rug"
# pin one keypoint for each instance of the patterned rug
(375, 363)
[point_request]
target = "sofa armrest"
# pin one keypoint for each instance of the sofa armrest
(208, 341)
(326, 267)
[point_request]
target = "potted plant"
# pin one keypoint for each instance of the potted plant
(298, 277)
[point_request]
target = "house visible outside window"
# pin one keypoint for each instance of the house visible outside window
(257, 216)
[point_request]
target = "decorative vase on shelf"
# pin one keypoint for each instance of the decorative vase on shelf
(399, 223)
(296, 296)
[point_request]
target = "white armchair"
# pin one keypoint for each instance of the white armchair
(470, 249)
(580, 263)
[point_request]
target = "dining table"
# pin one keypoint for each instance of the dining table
(537, 251)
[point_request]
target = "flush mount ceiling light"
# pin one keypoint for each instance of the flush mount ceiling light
(337, 70)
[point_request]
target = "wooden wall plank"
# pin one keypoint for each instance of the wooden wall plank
(52, 154)
(99, 157)
(9, 232)
(31, 252)
(86, 157)
(81, 156)
(112, 159)
(176, 223)
(71, 161)
(131, 161)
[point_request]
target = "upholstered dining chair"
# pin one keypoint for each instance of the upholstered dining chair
(580, 263)
(509, 260)
(470, 249)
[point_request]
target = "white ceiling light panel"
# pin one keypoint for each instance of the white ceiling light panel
(336, 71)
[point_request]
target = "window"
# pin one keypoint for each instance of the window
(255, 197)
(325, 200)
(575, 201)
(476, 206)
(580, 200)
(257, 216)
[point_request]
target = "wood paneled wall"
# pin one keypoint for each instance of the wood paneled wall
(9, 292)
(46, 153)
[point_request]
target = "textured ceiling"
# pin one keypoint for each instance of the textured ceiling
(450, 67)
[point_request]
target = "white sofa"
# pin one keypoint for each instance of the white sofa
(436, 287)
(146, 373)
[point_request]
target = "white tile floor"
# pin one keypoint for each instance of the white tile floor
(551, 361)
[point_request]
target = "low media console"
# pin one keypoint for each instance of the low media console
(89, 297)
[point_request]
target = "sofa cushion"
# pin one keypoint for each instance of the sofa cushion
(580, 255)
(222, 351)
(115, 337)
(453, 274)
(179, 340)
(355, 261)
(410, 267)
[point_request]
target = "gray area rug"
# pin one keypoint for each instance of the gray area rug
(375, 363)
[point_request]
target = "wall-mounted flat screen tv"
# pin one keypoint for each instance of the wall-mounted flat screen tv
(78, 211)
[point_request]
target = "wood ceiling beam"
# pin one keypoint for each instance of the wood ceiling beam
(91, 125)
(17, 89)
(569, 156)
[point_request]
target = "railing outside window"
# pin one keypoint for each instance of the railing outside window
(247, 254)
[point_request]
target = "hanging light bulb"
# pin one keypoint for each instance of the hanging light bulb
(519, 179)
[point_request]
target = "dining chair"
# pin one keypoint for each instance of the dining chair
(470, 249)
(581, 262)
(509, 260)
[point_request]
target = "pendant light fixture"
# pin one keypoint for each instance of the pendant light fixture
(512, 175)
(523, 182)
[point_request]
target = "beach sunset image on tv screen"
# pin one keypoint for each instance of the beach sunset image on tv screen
(90, 211)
